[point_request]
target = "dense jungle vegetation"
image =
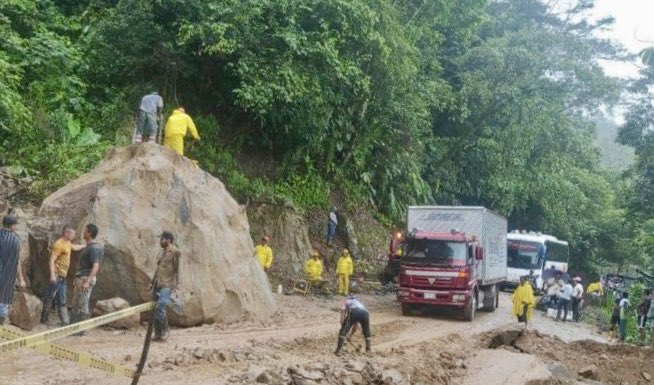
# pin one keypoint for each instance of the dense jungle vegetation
(387, 103)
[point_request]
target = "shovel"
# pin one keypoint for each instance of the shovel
(356, 347)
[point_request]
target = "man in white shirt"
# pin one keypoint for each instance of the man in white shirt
(624, 309)
(577, 296)
(564, 299)
(554, 285)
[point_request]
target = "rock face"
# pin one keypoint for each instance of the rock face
(113, 305)
(289, 237)
(134, 194)
(25, 311)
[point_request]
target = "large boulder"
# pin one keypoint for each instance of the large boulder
(25, 310)
(134, 194)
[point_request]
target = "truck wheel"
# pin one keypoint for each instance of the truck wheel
(497, 299)
(490, 298)
(408, 309)
(469, 311)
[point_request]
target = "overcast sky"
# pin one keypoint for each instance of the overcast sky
(634, 21)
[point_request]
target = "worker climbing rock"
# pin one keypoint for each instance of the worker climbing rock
(523, 301)
(344, 269)
(353, 313)
(332, 222)
(264, 253)
(165, 280)
(148, 121)
(179, 123)
(313, 268)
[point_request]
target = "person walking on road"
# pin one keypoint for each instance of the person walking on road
(165, 280)
(332, 222)
(148, 119)
(577, 296)
(564, 300)
(615, 318)
(344, 269)
(58, 267)
(177, 126)
(624, 311)
(85, 279)
(264, 253)
(10, 268)
(643, 310)
(353, 313)
(523, 300)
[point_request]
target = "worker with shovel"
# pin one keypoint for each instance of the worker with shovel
(353, 313)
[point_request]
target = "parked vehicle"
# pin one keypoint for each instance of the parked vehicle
(454, 256)
(531, 254)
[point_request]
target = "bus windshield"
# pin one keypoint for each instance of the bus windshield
(524, 255)
(557, 252)
(435, 251)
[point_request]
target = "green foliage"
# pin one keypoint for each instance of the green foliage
(387, 103)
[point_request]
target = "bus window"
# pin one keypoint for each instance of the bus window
(524, 255)
(557, 252)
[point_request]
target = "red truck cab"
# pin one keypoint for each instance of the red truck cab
(439, 269)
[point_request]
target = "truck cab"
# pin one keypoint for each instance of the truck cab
(439, 269)
(453, 256)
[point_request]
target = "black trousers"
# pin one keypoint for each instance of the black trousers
(354, 316)
(575, 309)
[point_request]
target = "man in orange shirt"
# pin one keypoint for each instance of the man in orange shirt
(58, 266)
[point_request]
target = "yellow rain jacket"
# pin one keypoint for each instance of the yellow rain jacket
(345, 265)
(264, 255)
(313, 269)
(523, 295)
(595, 287)
(179, 123)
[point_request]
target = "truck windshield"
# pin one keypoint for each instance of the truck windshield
(435, 251)
(524, 255)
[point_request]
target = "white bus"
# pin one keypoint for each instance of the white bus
(531, 253)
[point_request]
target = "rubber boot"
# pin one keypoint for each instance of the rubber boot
(82, 317)
(63, 315)
(368, 347)
(157, 330)
(339, 346)
(165, 330)
(45, 314)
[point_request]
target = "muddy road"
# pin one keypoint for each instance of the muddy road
(431, 348)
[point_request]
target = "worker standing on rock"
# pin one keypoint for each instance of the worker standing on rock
(353, 313)
(264, 253)
(344, 269)
(85, 279)
(9, 264)
(523, 300)
(332, 222)
(148, 121)
(166, 279)
(58, 266)
(313, 268)
(177, 126)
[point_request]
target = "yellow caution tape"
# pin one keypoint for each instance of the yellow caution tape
(82, 359)
(65, 331)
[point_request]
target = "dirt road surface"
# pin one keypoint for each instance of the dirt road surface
(296, 346)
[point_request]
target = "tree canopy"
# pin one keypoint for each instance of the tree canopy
(389, 103)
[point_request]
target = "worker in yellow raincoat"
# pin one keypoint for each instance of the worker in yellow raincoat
(179, 123)
(523, 301)
(595, 288)
(344, 269)
(264, 253)
(313, 268)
